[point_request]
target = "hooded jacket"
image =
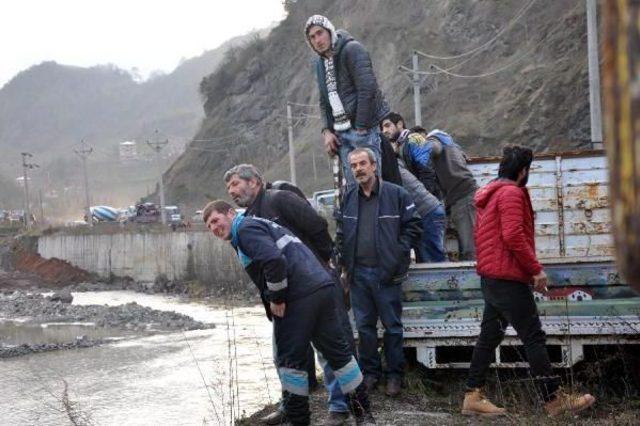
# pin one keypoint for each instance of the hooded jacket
(504, 232)
(357, 86)
(416, 155)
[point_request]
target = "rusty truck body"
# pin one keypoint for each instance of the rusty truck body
(587, 303)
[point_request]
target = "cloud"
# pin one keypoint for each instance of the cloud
(148, 35)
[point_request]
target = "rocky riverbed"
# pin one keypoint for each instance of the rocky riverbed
(32, 308)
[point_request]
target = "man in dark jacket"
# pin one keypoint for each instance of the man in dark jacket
(289, 208)
(246, 187)
(507, 265)
(351, 103)
(377, 227)
(298, 292)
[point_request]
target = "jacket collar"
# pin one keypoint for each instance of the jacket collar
(235, 225)
(255, 209)
(374, 191)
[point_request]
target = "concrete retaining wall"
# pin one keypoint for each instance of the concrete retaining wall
(143, 256)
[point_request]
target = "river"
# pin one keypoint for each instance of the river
(147, 379)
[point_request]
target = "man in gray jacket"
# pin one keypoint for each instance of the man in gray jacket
(351, 102)
(431, 247)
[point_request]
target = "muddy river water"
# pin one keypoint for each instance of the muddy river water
(183, 378)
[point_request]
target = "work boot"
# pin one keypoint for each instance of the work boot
(568, 403)
(278, 417)
(476, 404)
(394, 385)
(337, 418)
(365, 419)
(370, 383)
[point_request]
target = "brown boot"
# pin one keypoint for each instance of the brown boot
(476, 404)
(568, 403)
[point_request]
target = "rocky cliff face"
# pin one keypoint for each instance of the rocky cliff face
(518, 74)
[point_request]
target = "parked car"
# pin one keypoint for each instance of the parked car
(323, 202)
(197, 217)
(147, 213)
(174, 217)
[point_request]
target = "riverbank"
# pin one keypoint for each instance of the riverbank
(434, 397)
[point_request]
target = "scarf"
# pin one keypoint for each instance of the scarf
(340, 119)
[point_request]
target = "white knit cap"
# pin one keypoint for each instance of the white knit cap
(324, 22)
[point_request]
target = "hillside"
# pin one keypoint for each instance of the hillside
(48, 108)
(521, 77)
(51, 105)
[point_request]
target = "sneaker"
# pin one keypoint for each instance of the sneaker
(394, 384)
(568, 403)
(476, 404)
(366, 419)
(337, 418)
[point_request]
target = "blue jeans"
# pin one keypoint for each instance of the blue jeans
(431, 248)
(350, 140)
(371, 299)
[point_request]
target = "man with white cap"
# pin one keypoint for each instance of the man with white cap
(351, 102)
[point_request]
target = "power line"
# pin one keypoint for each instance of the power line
(515, 19)
(304, 105)
(447, 71)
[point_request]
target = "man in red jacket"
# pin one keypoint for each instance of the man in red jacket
(507, 265)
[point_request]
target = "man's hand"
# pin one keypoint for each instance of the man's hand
(277, 309)
(331, 142)
(540, 282)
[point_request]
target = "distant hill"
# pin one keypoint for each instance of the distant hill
(50, 107)
(518, 74)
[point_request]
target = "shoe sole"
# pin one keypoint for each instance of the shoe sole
(475, 413)
(575, 411)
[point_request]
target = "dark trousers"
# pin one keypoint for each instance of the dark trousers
(511, 302)
(313, 319)
(370, 300)
(337, 401)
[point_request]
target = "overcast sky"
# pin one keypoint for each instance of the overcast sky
(149, 35)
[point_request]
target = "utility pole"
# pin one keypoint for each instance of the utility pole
(25, 176)
(157, 146)
(292, 152)
(594, 75)
(41, 206)
(416, 80)
(313, 161)
(83, 152)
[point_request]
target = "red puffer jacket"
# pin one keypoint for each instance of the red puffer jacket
(504, 233)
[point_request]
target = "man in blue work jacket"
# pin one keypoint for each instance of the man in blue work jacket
(377, 227)
(297, 292)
